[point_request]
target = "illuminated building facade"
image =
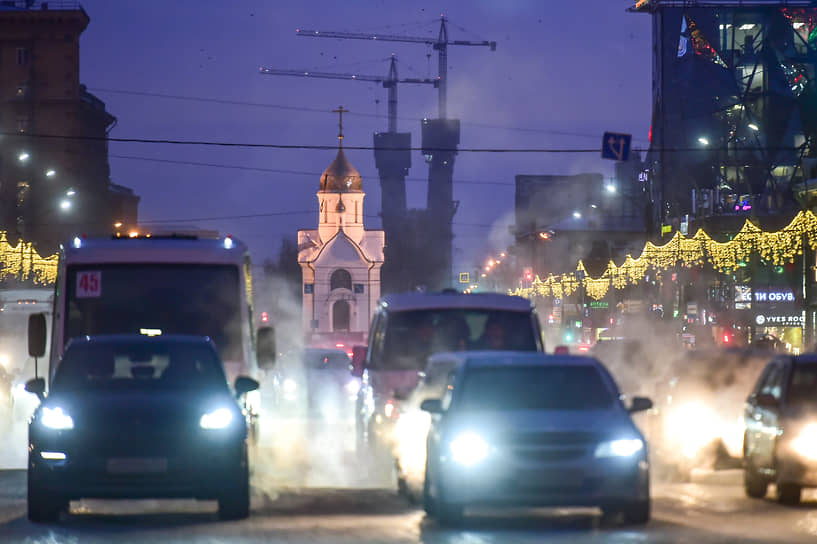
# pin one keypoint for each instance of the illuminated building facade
(52, 188)
(734, 116)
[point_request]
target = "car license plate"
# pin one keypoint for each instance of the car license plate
(137, 465)
(551, 479)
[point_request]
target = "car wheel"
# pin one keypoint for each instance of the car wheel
(637, 513)
(446, 512)
(788, 493)
(428, 500)
(235, 502)
(43, 507)
(754, 484)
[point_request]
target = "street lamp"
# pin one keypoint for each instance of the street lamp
(703, 141)
(24, 156)
(577, 215)
(65, 204)
(610, 188)
(50, 173)
(70, 192)
(754, 127)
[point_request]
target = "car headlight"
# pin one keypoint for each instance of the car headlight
(353, 387)
(805, 444)
(290, 386)
(468, 449)
(218, 419)
(55, 418)
(626, 447)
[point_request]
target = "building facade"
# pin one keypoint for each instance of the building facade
(340, 260)
(54, 173)
(734, 105)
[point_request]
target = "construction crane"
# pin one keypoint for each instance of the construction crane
(440, 45)
(389, 82)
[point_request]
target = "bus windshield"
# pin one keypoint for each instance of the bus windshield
(148, 298)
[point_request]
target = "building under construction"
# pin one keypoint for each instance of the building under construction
(734, 116)
(419, 242)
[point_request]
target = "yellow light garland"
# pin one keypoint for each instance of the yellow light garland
(778, 247)
(24, 263)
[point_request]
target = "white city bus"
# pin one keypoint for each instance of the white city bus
(155, 285)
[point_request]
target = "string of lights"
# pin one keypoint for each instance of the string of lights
(777, 248)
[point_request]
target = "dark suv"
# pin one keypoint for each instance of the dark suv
(780, 438)
(130, 416)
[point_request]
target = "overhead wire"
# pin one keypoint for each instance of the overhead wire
(324, 147)
(293, 172)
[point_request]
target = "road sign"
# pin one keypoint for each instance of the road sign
(616, 147)
(465, 277)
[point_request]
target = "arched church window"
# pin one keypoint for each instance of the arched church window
(341, 279)
(341, 316)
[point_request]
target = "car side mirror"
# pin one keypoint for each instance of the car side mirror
(358, 360)
(37, 387)
(640, 404)
(243, 385)
(432, 406)
(265, 347)
(766, 400)
(36, 335)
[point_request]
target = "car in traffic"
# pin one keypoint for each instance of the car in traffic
(315, 382)
(780, 438)
(697, 421)
(132, 416)
(534, 430)
(408, 328)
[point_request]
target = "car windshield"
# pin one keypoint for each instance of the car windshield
(558, 387)
(803, 386)
(412, 336)
(138, 365)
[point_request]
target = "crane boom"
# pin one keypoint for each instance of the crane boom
(386, 38)
(388, 81)
(440, 44)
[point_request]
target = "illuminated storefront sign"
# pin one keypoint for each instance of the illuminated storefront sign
(774, 295)
(780, 320)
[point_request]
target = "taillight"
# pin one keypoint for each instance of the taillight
(390, 410)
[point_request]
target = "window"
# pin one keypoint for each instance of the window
(560, 387)
(341, 279)
(22, 56)
(341, 316)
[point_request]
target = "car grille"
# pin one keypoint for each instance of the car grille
(540, 455)
(560, 438)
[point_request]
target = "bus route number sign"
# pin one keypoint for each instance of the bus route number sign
(89, 284)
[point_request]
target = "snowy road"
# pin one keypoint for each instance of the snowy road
(312, 488)
(695, 513)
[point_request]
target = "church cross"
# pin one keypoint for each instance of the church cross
(340, 111)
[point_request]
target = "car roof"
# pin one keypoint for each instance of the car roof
(141, 338)
(160, 249)
(486, 359)
(429, 301)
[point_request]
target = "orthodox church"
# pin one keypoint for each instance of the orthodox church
(340, 260)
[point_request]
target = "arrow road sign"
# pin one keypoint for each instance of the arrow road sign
(616, 147)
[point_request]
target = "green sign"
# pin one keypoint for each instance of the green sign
(599, 304)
